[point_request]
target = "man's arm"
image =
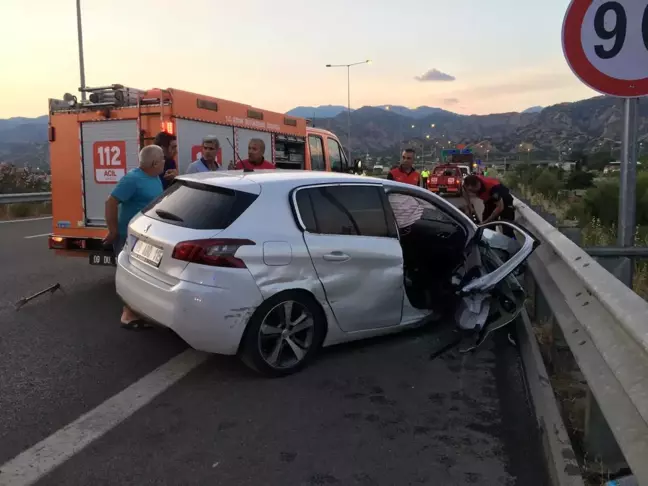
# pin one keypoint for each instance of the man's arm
(123, 191)
(112, 209)
(497, 194)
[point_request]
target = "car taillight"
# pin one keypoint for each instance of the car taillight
(213, 252)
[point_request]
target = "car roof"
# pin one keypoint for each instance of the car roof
(288, 179)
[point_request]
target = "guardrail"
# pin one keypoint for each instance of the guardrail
(26, 197)
(605, 325)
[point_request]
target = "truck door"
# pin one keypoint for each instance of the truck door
(109, 150)
(190, 137)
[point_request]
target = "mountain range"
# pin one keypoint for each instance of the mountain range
(589, 125)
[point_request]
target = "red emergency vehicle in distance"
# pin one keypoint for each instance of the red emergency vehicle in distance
(446, 179)
(93, 143)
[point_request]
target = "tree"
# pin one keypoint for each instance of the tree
(579, 180)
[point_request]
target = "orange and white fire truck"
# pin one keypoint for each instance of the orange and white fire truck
(93, 143)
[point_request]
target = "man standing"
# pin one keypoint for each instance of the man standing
(133, 193)
(498, 202)
(208, 161)
(169, 144)
(425, 175)
(405, 172)
(256, 159)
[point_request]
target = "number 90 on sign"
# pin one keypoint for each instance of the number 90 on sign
(606, 45)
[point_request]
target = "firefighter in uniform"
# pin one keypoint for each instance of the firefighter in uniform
(498, 202)
(405, 172)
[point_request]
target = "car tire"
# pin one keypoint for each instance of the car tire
(266, 332)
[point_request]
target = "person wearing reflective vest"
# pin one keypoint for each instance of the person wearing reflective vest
(405, 172)
(498, 201)
(425, 175)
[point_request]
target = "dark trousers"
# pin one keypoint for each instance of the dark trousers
(507, 215)
(424, 179)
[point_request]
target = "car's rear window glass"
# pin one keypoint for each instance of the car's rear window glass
(199, 206)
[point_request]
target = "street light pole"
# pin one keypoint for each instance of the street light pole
(348, 66)
(81, 63)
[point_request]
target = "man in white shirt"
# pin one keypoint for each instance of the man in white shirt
(208, 162)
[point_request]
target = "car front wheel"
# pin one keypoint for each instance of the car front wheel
(284, 334)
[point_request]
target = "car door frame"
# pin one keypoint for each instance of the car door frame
(391, 225)
(487, 282)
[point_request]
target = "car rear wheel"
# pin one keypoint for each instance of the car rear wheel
(284, 334)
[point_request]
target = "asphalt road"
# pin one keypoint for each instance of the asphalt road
(383, 412)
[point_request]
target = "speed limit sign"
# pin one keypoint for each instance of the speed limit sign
(606, 45)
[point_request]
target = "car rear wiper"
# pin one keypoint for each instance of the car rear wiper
(167, 215)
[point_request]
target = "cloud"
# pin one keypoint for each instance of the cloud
(450, 101)
(434, 75)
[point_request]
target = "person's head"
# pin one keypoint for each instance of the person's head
(169, 144)
(407, 158)
(210, 146)
(151, 160)
(256, 149)
(472, 184)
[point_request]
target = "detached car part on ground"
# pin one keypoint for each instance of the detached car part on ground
(272, 266)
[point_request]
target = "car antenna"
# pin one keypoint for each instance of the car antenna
(236, 155)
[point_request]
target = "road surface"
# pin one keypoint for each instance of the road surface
(375, 413)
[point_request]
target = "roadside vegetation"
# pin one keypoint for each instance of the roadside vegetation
(588, 200)
(15, 180)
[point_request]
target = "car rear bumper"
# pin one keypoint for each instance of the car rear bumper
(208, 318)
(445, 190)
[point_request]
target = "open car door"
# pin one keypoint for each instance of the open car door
(491, 294)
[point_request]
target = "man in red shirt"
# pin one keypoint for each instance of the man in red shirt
(498, 201)
(405, 172)
(255, 160)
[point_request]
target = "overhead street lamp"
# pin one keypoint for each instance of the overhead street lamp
(348, 67)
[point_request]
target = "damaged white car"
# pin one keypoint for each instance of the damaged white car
(274, 265)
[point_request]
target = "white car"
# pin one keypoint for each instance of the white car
(273, 265)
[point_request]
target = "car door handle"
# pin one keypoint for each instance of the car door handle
(336, 256)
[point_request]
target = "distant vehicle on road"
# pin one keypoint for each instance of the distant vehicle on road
(446, 179)
(272, 266)
(93, 144)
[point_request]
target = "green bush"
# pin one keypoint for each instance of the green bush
(547, 183)
(579, 180)
(602, 201)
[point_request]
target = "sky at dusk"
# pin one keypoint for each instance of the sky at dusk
(467, 56)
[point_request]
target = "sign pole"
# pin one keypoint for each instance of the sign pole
(628, 187)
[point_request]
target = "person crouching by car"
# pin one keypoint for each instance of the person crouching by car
(498, 202)
(136, 190)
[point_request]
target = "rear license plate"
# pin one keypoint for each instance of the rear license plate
(147, 253)
(102, 259)
(443, 188)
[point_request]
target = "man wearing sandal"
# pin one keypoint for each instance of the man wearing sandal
(133, 193)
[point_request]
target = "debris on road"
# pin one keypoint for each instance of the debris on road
(25, 300)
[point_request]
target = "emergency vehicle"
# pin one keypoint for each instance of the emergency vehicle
(446, 179)
(93, 143)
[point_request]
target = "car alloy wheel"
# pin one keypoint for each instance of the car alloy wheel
(286, 335)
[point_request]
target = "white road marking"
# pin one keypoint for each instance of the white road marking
(26, 220)
(31, 465)
(37, 236)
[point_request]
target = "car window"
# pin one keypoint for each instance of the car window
(336, 155)
(409, 209)
(199, 206)
(316, 152)
(344, 210)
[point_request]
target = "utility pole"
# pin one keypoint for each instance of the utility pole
(81, 63)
